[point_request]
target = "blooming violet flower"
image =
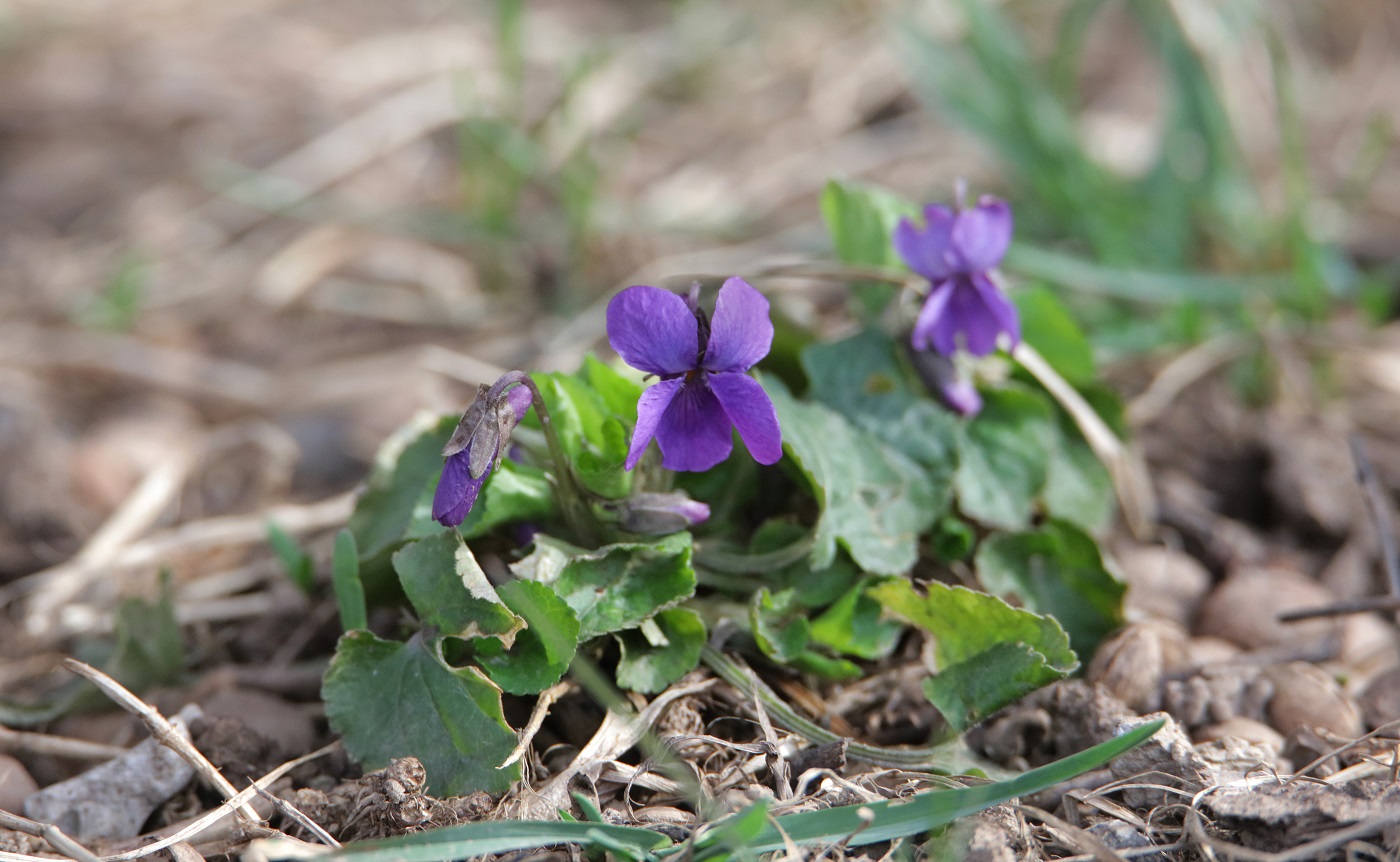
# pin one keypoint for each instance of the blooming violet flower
(475, 449)
(955, 251)
(704, 391)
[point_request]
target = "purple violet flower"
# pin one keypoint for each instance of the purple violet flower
(704, 391)
(475, 450)
(955, 251)
(948, 379)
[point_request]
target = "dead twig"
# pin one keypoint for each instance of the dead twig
(162, 730)
(1124, 463)
(24, 742)
(547, 699)
(1084, 840)
(1315, 849)
(51, 834)
(296, 814)
(1378, 504)
(209, 818)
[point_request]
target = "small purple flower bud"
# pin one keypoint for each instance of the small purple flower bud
(660, 514)
(947, 381)
(475, 448)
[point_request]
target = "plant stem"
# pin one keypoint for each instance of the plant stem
(572, 501)
(735, 563)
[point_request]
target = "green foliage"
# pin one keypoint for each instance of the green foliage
(466, 605)
(1005, 459)
(449, 718)
(617, 586)
(1056, 570)
(655, 657)
(875, 501)
(298, 565)
(147, 652)
(989, 653)
(345, 577)
(1048, 327)
(403, 467)
(118, 306)
(540, 654)
(593, 412)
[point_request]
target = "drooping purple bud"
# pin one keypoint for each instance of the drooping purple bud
(653, 514)
(947, 381)
(476, 446)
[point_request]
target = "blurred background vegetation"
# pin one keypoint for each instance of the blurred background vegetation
(260, 235)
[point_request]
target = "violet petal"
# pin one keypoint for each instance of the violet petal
(653, 330)
(934, 307)
(1001, 307)
(741, 331)
(980, 236)
(752, 412)
(519, 398)
(650, 408)
(694, 433)
(456, 490)
(925, 249)
(967, 314)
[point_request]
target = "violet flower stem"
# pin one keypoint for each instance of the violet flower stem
(576, 510)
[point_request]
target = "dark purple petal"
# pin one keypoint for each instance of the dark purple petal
(653, 330)
(1002, 308)
(694, 433)
(751, 411)
(519, 398)
(925, 249)
(930, 314)
(975, 314)
(456, 490)
(980, 236)
(740, 331)
(650, 408)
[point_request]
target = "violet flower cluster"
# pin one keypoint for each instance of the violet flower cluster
(704, 391)
(956, 251)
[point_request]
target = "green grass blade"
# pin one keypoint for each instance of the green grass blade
(934, 808)
(473, 840)
(345, 577)
(1161, 288)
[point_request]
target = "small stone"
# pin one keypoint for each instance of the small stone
(114, 799)
(1306, 697)
(16, 785)
(1244, 609)
(1162, 583)
(1131, 663)
(1380, 699)
(1245, 729)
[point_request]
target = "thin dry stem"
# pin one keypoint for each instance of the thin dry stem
(24, 742)
(162, 730)
(50, 833)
